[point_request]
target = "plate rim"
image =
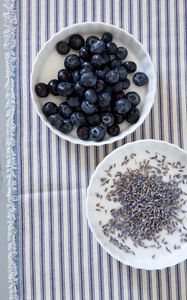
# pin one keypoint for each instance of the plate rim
(78, 141)
(158, 266)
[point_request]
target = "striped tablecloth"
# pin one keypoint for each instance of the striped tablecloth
(52, 253)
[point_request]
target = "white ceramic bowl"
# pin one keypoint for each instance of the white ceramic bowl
(48, 62)
(143, 258)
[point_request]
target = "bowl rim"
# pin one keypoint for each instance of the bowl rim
(78, 141)
(158, 265)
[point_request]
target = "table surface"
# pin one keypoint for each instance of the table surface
(3, 212)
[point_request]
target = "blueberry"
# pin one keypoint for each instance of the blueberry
(84, 53)
(91, 96)
(107, 118)
(41, 90)
(112, 57)
(87, 66)
(140, 79)
(76, 41)
(118, 95)
(82, 71)
(76, 75)
(94, 119)
(121, 53)
(108, 89)
(65, 89)
(66, 126)
(107, 37)
(133, 115)
(72, 62)
(49, 108)
(64, 75)
(97, 133)
(62, 47)
(117, 88)
(122, 72)
(111, 48)
(79, 89)
(102, 73)
(106, 57)
(64, 110)
(122, 106)
(126, 83)
(112, 77)
(87, 107)
(130, 66)
(115, 63)
(78, 119)
(104, 99)
(52, 87)
(55, 120)
(100, 86)
(83, 132)
(134, 98)
(98, 47)
(98, 61)
(73, 101)
(88, 79)
(113, 130)
(119, 118)
(91, 39)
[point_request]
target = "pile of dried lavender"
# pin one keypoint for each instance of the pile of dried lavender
(148, 203)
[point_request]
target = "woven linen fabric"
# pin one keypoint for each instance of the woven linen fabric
(52, 252)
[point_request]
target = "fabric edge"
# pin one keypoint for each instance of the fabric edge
(9, 31)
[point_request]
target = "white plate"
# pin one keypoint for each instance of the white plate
(143, 258)
(48, 62)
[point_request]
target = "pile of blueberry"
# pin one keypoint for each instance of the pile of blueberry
(93, 83)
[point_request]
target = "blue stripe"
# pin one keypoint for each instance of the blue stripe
(50, 215)
(79, 222)
(131, 30)
(179, 116)
(75, 11)
(160, 98)
(69, 199)
(149, 40)
(85, 10)
(149, 281)
(99, 249)
(142, 132)
(40, 176)
(30, 155)
(159, 73)
(178, 76)
(70, 227)
(130, 283)
(60, 221)
(21, 176)
(89, 234)
(61, 206)
(140, 33)
(90, 237)
(56, 16)
(159, 284)
(170, 109)
(168, 68)
(49, 179)
(120, 270)
(106, 151)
